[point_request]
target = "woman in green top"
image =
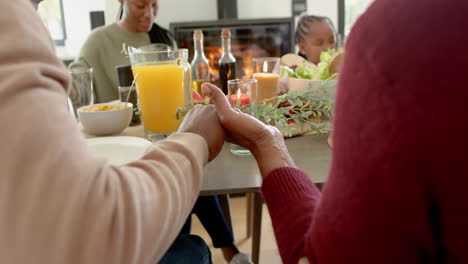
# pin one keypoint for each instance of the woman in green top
(102, 52)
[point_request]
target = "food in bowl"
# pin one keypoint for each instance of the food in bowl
(104, 107)
(105, 122)
(327, 69)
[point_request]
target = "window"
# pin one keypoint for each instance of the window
(353, 9)
(349, 11)
(51, 13)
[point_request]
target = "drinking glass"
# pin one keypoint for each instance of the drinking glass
(163, 81)
(82, 92)
(242, 94)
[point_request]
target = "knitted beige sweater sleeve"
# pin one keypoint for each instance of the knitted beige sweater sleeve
(59, 203)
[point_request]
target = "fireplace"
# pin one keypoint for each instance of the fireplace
(249, 39)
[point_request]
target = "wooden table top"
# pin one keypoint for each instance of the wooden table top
(229, 174)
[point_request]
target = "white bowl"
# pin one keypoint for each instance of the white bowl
(300, 85)
(103, 123)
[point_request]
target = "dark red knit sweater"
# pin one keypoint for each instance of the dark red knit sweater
(398, 187)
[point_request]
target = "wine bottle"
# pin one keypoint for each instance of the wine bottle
(227, 62)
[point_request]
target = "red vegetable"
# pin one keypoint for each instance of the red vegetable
(200, 99)
(196, 96)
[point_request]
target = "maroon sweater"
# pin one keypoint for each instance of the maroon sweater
(398, 186)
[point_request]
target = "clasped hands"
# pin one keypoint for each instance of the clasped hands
(219, 122)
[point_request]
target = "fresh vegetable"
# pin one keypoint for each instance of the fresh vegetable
(288, 71)
(198, 99)
(323, 68)
(322, 72)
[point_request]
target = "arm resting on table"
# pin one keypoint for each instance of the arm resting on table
(58, 202)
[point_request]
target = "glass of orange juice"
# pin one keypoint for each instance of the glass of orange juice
(163, 81)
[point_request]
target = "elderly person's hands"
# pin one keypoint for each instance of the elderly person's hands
(203, 120)
(265, 142)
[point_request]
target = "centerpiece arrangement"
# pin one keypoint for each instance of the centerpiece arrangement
(306, 95)
(297, 113)
(306, 103)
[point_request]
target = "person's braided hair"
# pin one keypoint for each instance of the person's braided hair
(304, 23)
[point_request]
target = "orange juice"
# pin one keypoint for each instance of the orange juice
(161, 93)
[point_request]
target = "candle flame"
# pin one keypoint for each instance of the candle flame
(265, 66)
(238, 93)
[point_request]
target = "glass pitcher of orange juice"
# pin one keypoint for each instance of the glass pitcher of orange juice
(163, 81)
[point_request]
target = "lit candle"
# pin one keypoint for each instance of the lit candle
(240, 99)
(267, 80)
(267, 85)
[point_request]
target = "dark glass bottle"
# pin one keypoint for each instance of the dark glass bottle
(227, 62)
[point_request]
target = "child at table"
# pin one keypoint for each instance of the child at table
(315, 34)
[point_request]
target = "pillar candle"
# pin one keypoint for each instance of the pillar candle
(267, 85)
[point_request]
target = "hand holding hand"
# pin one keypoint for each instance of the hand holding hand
(204, 121)
(264, 141)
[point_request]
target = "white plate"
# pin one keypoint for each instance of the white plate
(119, 150)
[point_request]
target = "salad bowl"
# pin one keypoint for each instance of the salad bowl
(302, 85)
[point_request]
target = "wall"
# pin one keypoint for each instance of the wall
(327, 8)
(251, 9)
(111, 8)
(186, 10)
(173, 11)
(248, 9)
(77, 24)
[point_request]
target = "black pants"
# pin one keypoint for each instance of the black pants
(187, 249)
(208, 210)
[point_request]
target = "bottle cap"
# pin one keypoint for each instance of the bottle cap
(225, 33)
(124, 75)
(197, 34)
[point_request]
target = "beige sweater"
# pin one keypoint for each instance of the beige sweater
(60, 204)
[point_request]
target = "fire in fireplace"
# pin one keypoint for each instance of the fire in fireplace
(249, 39)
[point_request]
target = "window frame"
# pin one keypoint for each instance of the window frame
(61, 42)
(341, 17)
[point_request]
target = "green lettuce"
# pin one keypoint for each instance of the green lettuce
(322, 72)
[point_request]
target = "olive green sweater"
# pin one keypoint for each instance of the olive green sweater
(102, 51)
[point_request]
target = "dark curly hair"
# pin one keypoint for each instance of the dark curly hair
(303, 25)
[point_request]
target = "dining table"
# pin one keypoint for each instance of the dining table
(230, 174)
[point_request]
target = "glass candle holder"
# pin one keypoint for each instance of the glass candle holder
(266, 72)
(242, 94)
